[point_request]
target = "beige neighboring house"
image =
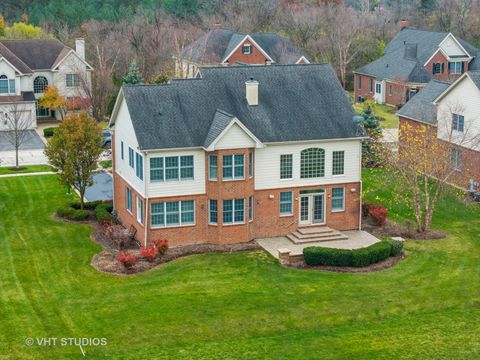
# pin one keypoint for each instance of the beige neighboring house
(27, 67)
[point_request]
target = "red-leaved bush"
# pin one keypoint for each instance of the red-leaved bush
(149, 253)
(379, 214)
(128, 260)
(161, 245)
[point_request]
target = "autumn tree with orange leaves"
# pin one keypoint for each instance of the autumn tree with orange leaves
(74, 149)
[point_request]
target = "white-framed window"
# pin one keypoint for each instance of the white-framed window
(378, 88)
(359, 82)
(139, 166)
(139, 210)
(250, 163)
(212, 212)
(338, 199)
(171, 168)
(233, 211)
(438, 68)
(156, 169)
(40, 83)
(456, 67)
(458, 122)
(456, 159)
(338, 162)
(247, 49)
(233, 167)
(250, 208)
(286, 166)
(390, 89)
(312, 163)
(371, 85)
(7, 86)
(286, 203)
(72, 80)
(131, 157)
(212, 167)
(172, 213)
(121, 149)
(129, 200)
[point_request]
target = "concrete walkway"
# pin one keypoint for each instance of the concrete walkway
(28, 174)
(356, 239)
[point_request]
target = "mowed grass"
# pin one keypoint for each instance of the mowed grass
(385, 113)
(6, 170)
(232, 306)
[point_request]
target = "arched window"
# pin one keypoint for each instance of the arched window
(7, 86)
(40, 84)
(312, 163)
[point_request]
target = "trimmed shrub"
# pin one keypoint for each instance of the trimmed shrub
(372, 254)
(127, 260)
(149, 253)
(49, 132)
(103, 212)
(379, 214)
(86, 206)
(396, 247)
(73, 214)
(366, 205)
(161, 245)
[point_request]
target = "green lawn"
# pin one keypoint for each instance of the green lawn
(385, 113)
(26, 169)
(106, 163)
(232, 306)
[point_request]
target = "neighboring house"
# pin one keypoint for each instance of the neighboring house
(410, 61)
(226, 47)
(451, 113)
(236, 154)
(27, 67)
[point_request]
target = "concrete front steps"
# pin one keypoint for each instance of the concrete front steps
(312, 234)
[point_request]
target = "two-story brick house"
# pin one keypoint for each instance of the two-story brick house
(450, 113)
(236, 154)
(410, 61)
(226, 47)
(27, 67)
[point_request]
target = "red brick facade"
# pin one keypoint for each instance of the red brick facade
(266, 221)
(444, 75)
(364, 87)
(255, 57)
(470, 159)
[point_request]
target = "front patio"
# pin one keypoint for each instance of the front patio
(287, 250)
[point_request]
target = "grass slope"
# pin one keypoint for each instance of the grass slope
(6, 170)
(238, 306)
(385, 113)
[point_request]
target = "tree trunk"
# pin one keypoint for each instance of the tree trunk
(16, 157)
(82, 192)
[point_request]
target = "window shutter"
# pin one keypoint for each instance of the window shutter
(433, 68)
(443, 68)
(463, 67)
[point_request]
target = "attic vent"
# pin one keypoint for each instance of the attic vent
(251, 92)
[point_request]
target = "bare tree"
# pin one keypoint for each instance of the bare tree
(17, 119)
(428, 161)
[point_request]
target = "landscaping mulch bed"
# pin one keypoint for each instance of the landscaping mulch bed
(106, 260)
(392, 229)
(387, 263)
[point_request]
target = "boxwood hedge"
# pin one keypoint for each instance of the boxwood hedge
(372, 254)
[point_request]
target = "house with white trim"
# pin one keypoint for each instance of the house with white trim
(27, 67)
(226, 47)
(237, 153)
(410, 61)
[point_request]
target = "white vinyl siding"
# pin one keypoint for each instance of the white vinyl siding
(235, 138)
(267, 161)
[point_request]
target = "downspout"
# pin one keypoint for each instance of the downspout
(145, 220)
(361, 190)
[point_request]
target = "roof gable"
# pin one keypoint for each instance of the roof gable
(296, 103)
(473, 76)
(254, 43)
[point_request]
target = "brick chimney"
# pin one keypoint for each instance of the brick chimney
(80, 47)
(251, 92)
(403, 24)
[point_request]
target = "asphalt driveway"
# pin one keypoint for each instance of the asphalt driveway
(31, 142)
(102, 188)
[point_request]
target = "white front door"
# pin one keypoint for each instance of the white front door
(312, 209)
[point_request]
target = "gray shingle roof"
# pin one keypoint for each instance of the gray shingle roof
(420, 107)
(37, 54)
(220, 121)
(406, 54)
(296, 102)
(475, 76)
(215, 45)
(14, 60)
